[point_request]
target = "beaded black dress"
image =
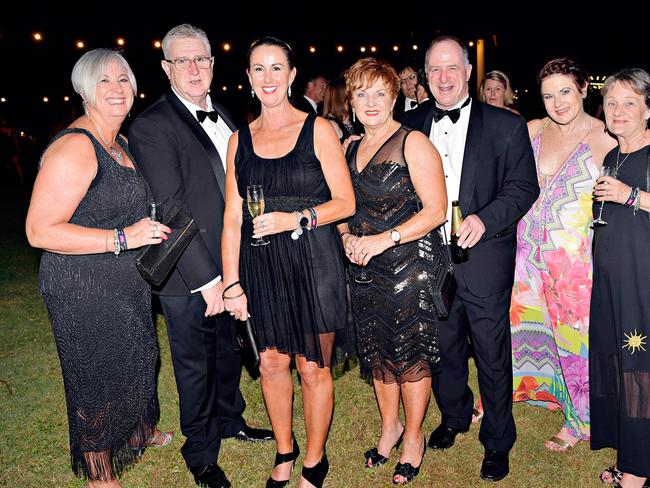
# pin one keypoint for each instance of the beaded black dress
(619, 327)
(396, 323)
(100, 309)
(295, 288)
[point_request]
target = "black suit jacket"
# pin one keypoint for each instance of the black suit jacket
(301, 103)
(498, 183)
(180, 163)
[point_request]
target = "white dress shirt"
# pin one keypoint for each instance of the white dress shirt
(449, 139)
(219, 133)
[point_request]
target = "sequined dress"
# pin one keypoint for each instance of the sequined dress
(100, 309)
(396, 324)
(549, 312)
(619, 351)
(295, 288)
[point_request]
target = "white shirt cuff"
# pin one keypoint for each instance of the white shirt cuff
(208, 285)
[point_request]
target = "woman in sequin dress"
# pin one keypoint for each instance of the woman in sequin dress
(549, 311)
(401, 198)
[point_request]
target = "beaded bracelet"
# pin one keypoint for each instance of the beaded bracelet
(116, 242)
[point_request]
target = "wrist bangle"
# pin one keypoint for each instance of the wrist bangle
(631, 198)
(122, 238)
(232, 298)
(314, 218)
(116, 243)
(232, 285)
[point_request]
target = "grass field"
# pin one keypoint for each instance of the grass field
(33, 424)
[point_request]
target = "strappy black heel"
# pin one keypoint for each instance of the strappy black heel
(377, 459)
(284, 458)
(316, 474)
(407, 470)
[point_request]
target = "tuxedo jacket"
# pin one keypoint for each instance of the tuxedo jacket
(498, 183)
(301, 103)
(181, 164)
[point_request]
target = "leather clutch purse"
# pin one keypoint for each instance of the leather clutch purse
(248, 342)
(155, 262)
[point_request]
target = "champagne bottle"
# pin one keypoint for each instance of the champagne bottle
(458, 254)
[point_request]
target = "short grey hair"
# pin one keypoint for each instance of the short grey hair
(184, 31)
(90, 68)
(636, 78)
(440, 39)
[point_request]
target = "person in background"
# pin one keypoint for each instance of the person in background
(312, 97)
(619, 362)
(549, 312)
(495, 90)
(412, 92)
(294, 287)
(88, 214)
(401, 198)
(180, 142)
(336, 109)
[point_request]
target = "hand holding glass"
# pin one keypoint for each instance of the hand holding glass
(255, 202)
(604, 171)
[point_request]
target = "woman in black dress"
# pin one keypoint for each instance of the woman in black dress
(619, 355)
(401, 198)
(88, 212)
(294, 287)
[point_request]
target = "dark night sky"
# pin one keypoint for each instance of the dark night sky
(525, 42)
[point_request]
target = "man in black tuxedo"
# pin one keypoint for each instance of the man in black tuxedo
(180, 145)
(312, 98)
(489, 166)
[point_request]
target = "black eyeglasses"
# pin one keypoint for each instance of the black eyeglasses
(182, 64)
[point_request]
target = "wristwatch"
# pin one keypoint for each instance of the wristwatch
(395, 236)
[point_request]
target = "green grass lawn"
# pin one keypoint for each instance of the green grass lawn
(34, 433)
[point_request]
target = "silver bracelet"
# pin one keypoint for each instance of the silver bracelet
(116, 242)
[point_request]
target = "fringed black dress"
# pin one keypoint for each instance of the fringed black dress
(100, 308)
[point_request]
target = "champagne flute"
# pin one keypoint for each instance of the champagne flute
(362, 278)
(604, 171)
(255, 202)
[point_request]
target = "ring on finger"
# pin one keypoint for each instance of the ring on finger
(154, 231)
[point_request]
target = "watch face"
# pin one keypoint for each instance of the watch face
(395, 235)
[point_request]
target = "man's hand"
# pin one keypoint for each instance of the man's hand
(470, 231)
(213, 299)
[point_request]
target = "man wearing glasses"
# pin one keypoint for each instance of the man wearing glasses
(413, 92)
(180, 144)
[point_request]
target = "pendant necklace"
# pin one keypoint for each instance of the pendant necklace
(618, 165)
(113, 151)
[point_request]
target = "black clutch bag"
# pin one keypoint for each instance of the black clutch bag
(248, 341)
(155, 262)
(442, 284)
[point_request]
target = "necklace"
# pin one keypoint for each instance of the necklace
(618, 165)
(113, 151)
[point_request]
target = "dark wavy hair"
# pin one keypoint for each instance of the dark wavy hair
(271, 41)
(567, 67)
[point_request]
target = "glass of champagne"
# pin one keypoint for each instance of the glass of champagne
(255, 202)
(363, 277)
(604, 171)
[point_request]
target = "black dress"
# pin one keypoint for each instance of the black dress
(295, 288)
(619, 355)
(100, 308)
(396, 323)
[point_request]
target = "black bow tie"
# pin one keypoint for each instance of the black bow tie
(453, 114)
(414, 103)
(202, 114)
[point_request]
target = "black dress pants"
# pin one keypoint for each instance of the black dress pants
(486, 320)
(207, 367)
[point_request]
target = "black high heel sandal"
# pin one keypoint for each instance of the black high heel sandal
(316, 474)
(407, 470)
(284, 458)
(376, 458)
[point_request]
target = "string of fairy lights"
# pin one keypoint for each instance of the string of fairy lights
(595, 82)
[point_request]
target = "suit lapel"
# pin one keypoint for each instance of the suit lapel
(428, 121)
(211, 152)
(471, 156)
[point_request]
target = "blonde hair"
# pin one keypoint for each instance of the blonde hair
(500, 76)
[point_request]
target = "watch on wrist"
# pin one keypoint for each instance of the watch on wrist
(395, 236)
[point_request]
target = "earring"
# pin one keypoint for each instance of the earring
(289, 91)
(252, 92)
(354, 116)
